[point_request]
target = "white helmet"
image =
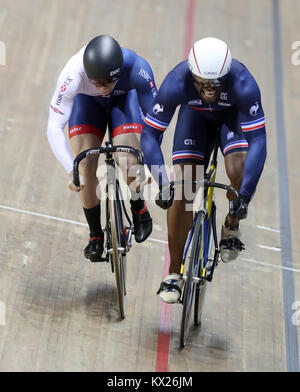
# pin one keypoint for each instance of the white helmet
(210, 58)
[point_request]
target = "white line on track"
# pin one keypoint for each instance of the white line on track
(43, 215)
(149, 239)
(62, 220)
(269, 248)
(269, 265)
(268, 229)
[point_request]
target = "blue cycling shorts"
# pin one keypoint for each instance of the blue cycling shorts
(92, 115)
(196, 132)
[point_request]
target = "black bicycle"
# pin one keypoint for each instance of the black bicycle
(203, 247)
(118, 228)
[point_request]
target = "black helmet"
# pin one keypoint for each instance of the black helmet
(103, 58)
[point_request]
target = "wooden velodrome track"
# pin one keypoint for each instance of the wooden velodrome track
(58, 312)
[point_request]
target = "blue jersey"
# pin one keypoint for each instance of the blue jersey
(240, 94)
(136, 74)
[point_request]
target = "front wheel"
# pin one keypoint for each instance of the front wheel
(118, 253)
(199, 301)
(192, 276)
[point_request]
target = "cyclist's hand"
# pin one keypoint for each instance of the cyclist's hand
(239, 207)
(72, 186)
(165, 196)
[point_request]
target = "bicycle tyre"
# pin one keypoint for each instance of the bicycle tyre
(199, 302)
(190, 286)
(119, 258)
(201, 288)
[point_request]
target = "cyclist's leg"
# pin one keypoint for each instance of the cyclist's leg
(87, 127)
(126, 126)
(234, 148)
(193, 140)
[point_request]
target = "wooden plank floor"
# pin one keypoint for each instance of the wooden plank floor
(61, 311)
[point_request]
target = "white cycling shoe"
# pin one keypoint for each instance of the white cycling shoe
(230, 245)
(170, 289)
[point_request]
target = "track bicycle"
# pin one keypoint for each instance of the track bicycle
(118, 227)
(203, 247)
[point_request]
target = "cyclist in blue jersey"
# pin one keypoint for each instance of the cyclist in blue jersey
(102, 85)
(219, 98)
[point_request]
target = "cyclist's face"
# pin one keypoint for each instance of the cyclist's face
(208, 89)
(104, 86)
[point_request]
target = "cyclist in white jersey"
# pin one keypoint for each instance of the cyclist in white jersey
(101, 86)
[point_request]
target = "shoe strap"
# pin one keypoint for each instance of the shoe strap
(231, 243)
(167, 286)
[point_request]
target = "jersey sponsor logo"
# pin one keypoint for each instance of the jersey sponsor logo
(130, 126)
(224, 103)
(223, 96)
(254, 109)
(55, 110)
(59, 99)
(190, 142)
(62, 89)
(158, 108)
(144, 74)
(230, 135)
(153, 89)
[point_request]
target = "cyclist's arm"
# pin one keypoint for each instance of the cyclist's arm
(142, 79)
(150, 144)
(59, 114)
(252, 120)
(156, 122)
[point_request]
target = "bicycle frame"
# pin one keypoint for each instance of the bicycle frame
(118, 236)
(209, 209)
(108, 150)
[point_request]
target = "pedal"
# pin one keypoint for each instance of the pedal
(129, 238)
(120, 250)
